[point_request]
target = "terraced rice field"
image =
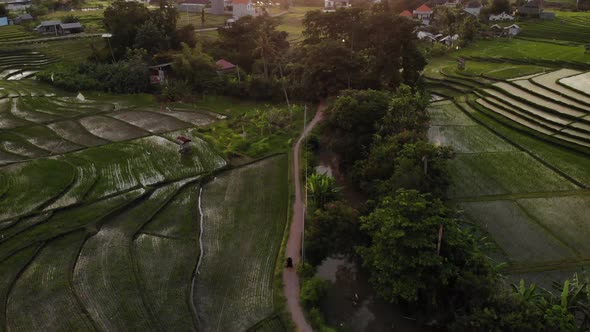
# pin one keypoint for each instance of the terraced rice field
(563, 28)
(14, 33)
(529, 197)
(17, 65)
(100, 219)
(542, 104)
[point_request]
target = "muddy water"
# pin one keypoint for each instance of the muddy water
(351, 304)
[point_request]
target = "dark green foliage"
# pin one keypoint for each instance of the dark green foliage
(127, 76)
(331, 231)
(186, 35)
(3, 10)
(70, 19)
(352, 121)
(499, 6)
(122, 18)
(312, 291)
(196, 68)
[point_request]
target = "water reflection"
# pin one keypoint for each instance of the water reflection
(351, 305)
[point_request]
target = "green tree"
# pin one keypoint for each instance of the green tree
(196, 67)
(331, 230)
(499, 6)
(3, 10)
(150, 38)
(468, 30)
(122, 18)
(321, 189)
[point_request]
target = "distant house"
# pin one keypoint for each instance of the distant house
(331, 5)
(16, 5)
(452, 3)
(502, 17)
(406, 13)
(426, 36)
(3, 21)
(158, 72)
(473, 8)
(512, 30)
(242, 8)
(67, 28)
(23, 18)
(48, 27)
(424, 14)
(531, 8)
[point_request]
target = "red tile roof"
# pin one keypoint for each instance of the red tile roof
(182, 139)
(406, 13)
(223, 65)
(423, 8)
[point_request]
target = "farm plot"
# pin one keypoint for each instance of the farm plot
(150, 121)
(532, 99)
(241, 240)
(7, 119)
(111, 129)
(24, 112)
(165, 268)
(510, 113)
(29, 187)
(197, 118)
(42, 298)
(549, 81)
(527, 85)
(104, 277)
(86, 176)
(517, 235)
(73, 131)
(528, 108)
(580, 82)
(18, 225)
(502, 173)
(11, 267)
(566, 216)
(65, 221)
(179, 218)
(44, 138)
(468, 139)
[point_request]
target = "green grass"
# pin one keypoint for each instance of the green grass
(241, 239)
(14, 33)
(30, 186)
(496, 70)
(65, 51)
(43, 291)
(292, 22)
(105, 277)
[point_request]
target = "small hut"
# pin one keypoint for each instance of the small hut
(184, 144)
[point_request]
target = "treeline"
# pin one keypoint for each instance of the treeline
(418, 251)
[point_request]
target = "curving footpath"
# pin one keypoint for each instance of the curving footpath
(293, 250)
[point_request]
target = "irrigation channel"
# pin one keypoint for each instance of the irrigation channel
(290, 278)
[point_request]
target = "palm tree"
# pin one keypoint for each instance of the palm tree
(321, 189)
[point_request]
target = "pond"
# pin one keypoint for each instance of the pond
(351, 304)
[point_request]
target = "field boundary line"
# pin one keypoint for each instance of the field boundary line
(88, 234)
(4, 312)
(507, 197)
(522, 148)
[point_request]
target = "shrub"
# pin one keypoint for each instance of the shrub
(312, 292)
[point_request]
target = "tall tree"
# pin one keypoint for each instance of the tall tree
(122, 18)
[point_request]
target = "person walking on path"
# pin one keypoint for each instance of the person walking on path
(293, 250)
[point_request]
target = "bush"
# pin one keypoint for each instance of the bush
(312, 292)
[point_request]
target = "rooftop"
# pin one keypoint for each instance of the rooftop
(406, 13)
(224, 65)
(423, 9)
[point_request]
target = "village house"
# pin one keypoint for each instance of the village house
(224, 66)
(16, 4)
(242, 8)
(59, 28)
(406, 13)
(473, 8)
(502, 17)
(512, 30)
(22, 18)
(423, 14)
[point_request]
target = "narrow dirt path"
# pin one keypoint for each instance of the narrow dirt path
(293, 250)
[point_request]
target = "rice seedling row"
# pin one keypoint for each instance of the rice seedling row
(165, 270)
(105, 278)
(151, 121)
(73, 131)
(518, 118)
(45, 138)
(42, 298)
(23, 223)
(68, 220)
(110, 129)
(30, 188)
(468, 139)
(240, 239)
(446, 113)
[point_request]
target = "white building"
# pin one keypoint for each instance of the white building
(513, 30)
(331, 5)
(242, 8)
(424, 14)
(502, 17)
